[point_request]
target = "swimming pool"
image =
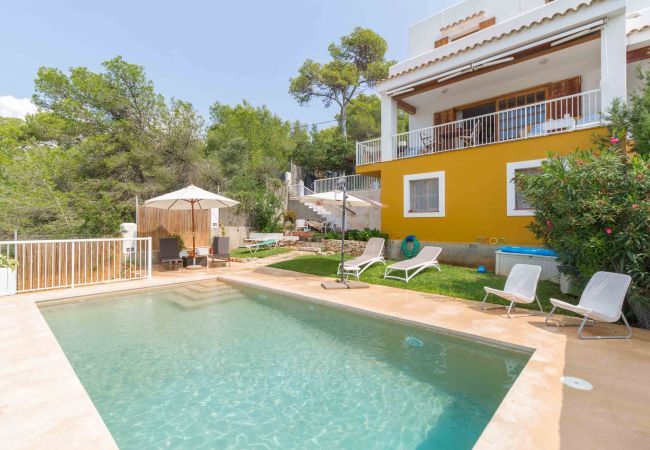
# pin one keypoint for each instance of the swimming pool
(214, 366)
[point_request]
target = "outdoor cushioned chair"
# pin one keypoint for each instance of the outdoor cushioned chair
(428, 257)
(268, 243)
(373, 253)
(220, 250)
(169, 253)
(302, 225)
(601, 300)
(521, 286)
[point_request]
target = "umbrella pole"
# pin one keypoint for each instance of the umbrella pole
(193, 238)
(343, 233)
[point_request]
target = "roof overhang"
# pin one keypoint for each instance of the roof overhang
(638, 29)
(545, 22)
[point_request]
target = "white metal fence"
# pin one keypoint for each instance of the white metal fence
(558, 115)
(369, 152)
(352, 182)
(67, 263)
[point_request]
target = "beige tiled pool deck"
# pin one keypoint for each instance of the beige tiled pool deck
(43, 404)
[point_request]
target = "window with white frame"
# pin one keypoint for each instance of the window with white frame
(424, 195)
(517, 204)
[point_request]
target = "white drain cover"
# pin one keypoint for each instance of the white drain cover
(577, 383)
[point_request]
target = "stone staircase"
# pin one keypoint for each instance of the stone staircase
(331, 214)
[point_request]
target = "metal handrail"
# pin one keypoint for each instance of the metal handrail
(357, 182)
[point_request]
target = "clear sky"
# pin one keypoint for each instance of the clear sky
(200, 51)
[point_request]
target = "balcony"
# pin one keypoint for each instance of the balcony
(559, 115)
(352, 183)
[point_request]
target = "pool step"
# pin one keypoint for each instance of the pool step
(214, 291)
(192, 298)
(202, 288)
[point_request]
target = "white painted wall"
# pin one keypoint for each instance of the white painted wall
(423, 34)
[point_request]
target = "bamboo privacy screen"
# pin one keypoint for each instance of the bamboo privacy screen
(161, 223)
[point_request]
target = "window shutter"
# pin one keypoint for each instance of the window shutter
(441, 42)
(487, 23)
(444, 117)
(565, 88)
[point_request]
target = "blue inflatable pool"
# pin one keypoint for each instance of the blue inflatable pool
(528, 250)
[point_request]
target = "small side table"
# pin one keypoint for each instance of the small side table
(198, 260)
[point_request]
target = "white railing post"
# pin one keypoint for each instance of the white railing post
(73, 261)
(149, 257)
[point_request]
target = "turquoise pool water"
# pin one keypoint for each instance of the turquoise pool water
(211, 366)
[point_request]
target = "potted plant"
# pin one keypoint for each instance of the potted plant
(567, 274)
(8, 268)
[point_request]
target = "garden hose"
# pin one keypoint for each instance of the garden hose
(410, 252)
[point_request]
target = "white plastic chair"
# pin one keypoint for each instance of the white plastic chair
(373, 253)
(470, 138)
(302, 225)
(601, 300)
(428, 257)
(521, 286)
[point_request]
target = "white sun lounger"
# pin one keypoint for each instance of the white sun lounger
(373, 253)
(601, 300)
(521, 286)
(428, 257)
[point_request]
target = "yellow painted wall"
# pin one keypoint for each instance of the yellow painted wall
(475, 189)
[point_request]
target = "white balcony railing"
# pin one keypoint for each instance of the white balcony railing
(352, 183)
(559, 115)
(369, 152)
(67, 263)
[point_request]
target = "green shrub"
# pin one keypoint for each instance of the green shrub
(357, 235)
(593, 208)
(290, 216)
(263, 210)
(8, 263)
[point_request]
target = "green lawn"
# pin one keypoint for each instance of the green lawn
(461, 282)
(262, 253)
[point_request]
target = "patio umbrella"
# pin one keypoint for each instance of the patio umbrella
(343, 200)
(190, 198)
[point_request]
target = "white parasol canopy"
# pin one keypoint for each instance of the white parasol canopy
(336, 198)
(190, 197)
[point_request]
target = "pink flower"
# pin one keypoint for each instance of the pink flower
(549, 224)
(614, 140)
(635, 206)
(608, 230)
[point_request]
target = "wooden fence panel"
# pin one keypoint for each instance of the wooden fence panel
(161, 223)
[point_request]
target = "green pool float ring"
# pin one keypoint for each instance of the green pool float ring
(409, 251)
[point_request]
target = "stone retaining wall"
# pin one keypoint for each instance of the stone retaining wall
(354, 248)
